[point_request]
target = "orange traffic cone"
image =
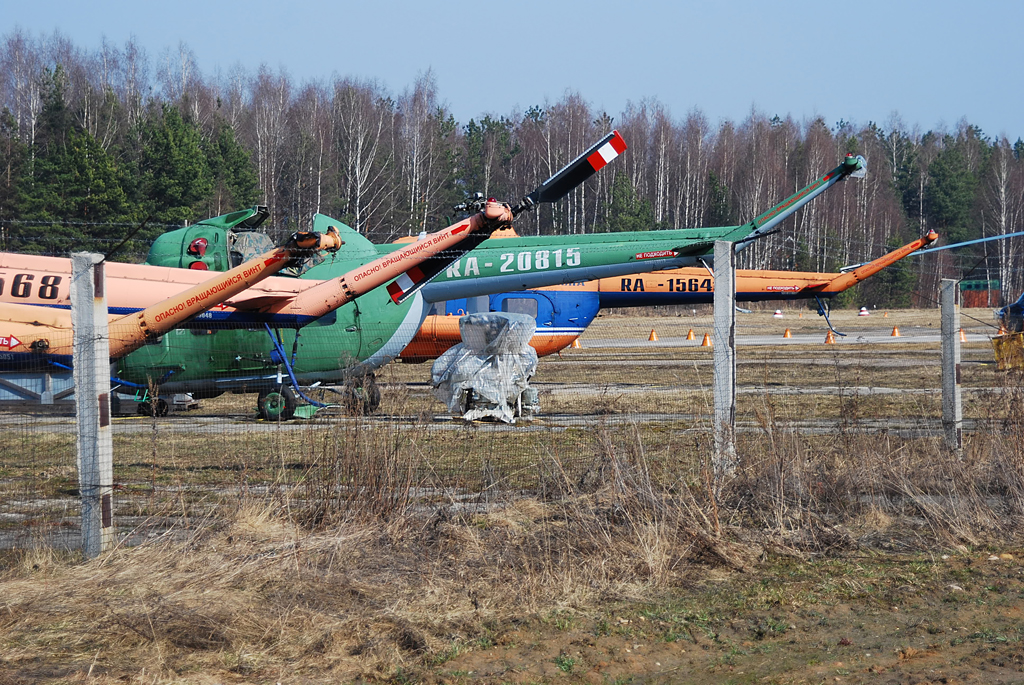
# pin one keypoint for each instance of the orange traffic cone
(653, 337)
(895, 332)
(963, 336)
(885, 316)
(829, 338)
(787, 334)
(576, 344)
(1002, 330)
(691, 335)
(801, 315)
(706, 342)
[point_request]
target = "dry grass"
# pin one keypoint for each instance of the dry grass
(262, 596)
(366, 569)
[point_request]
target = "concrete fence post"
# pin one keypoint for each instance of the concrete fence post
(91, 358)
(724, 359)
(952, 409)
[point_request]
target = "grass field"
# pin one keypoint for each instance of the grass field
(593, 544)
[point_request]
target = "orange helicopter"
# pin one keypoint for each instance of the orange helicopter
(563, 312)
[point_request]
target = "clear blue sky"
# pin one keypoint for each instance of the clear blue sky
(932, 62)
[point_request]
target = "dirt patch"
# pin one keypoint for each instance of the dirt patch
(856, 619)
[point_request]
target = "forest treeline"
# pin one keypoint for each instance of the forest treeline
(95, 143)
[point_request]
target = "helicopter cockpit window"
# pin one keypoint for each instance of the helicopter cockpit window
(244, 245)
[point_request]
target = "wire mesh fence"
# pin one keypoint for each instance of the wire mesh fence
(636, 391)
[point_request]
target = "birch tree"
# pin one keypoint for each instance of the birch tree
(1004, 202)
(266, 132)
(364, 121)
(22, 63)
(691, 171)
(427, 136)
(310, 152)
(568, 132)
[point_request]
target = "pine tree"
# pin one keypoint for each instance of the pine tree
(235, 181)
(718, 210)
(176, 178)
(72, 182)
(490, 148)
(627, 212)
(950, 194)
(894, 285)
(13, 154)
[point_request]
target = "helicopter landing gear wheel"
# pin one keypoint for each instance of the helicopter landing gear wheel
(276, 405)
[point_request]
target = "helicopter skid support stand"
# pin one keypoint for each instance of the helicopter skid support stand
(824, 308)
(360, 395)
(293, 390)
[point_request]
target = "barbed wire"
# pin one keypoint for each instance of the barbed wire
(65, 222)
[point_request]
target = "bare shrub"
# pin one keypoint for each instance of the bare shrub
(356, 474)
(1004, 446)
(850, 487)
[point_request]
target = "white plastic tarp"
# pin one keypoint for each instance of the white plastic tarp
(485, 375)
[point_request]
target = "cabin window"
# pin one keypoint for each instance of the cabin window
(520, 305)
(244, 245)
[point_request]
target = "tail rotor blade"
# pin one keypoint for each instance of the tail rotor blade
(575, 172)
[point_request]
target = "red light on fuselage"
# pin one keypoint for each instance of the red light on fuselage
(198, 247)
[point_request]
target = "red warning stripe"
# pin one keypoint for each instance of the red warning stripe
(404, 283)
(607, 152)
(618, 142)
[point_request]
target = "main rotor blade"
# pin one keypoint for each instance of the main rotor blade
(555, 188)
(1003, 236)
(579, 170)
(415, 278)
